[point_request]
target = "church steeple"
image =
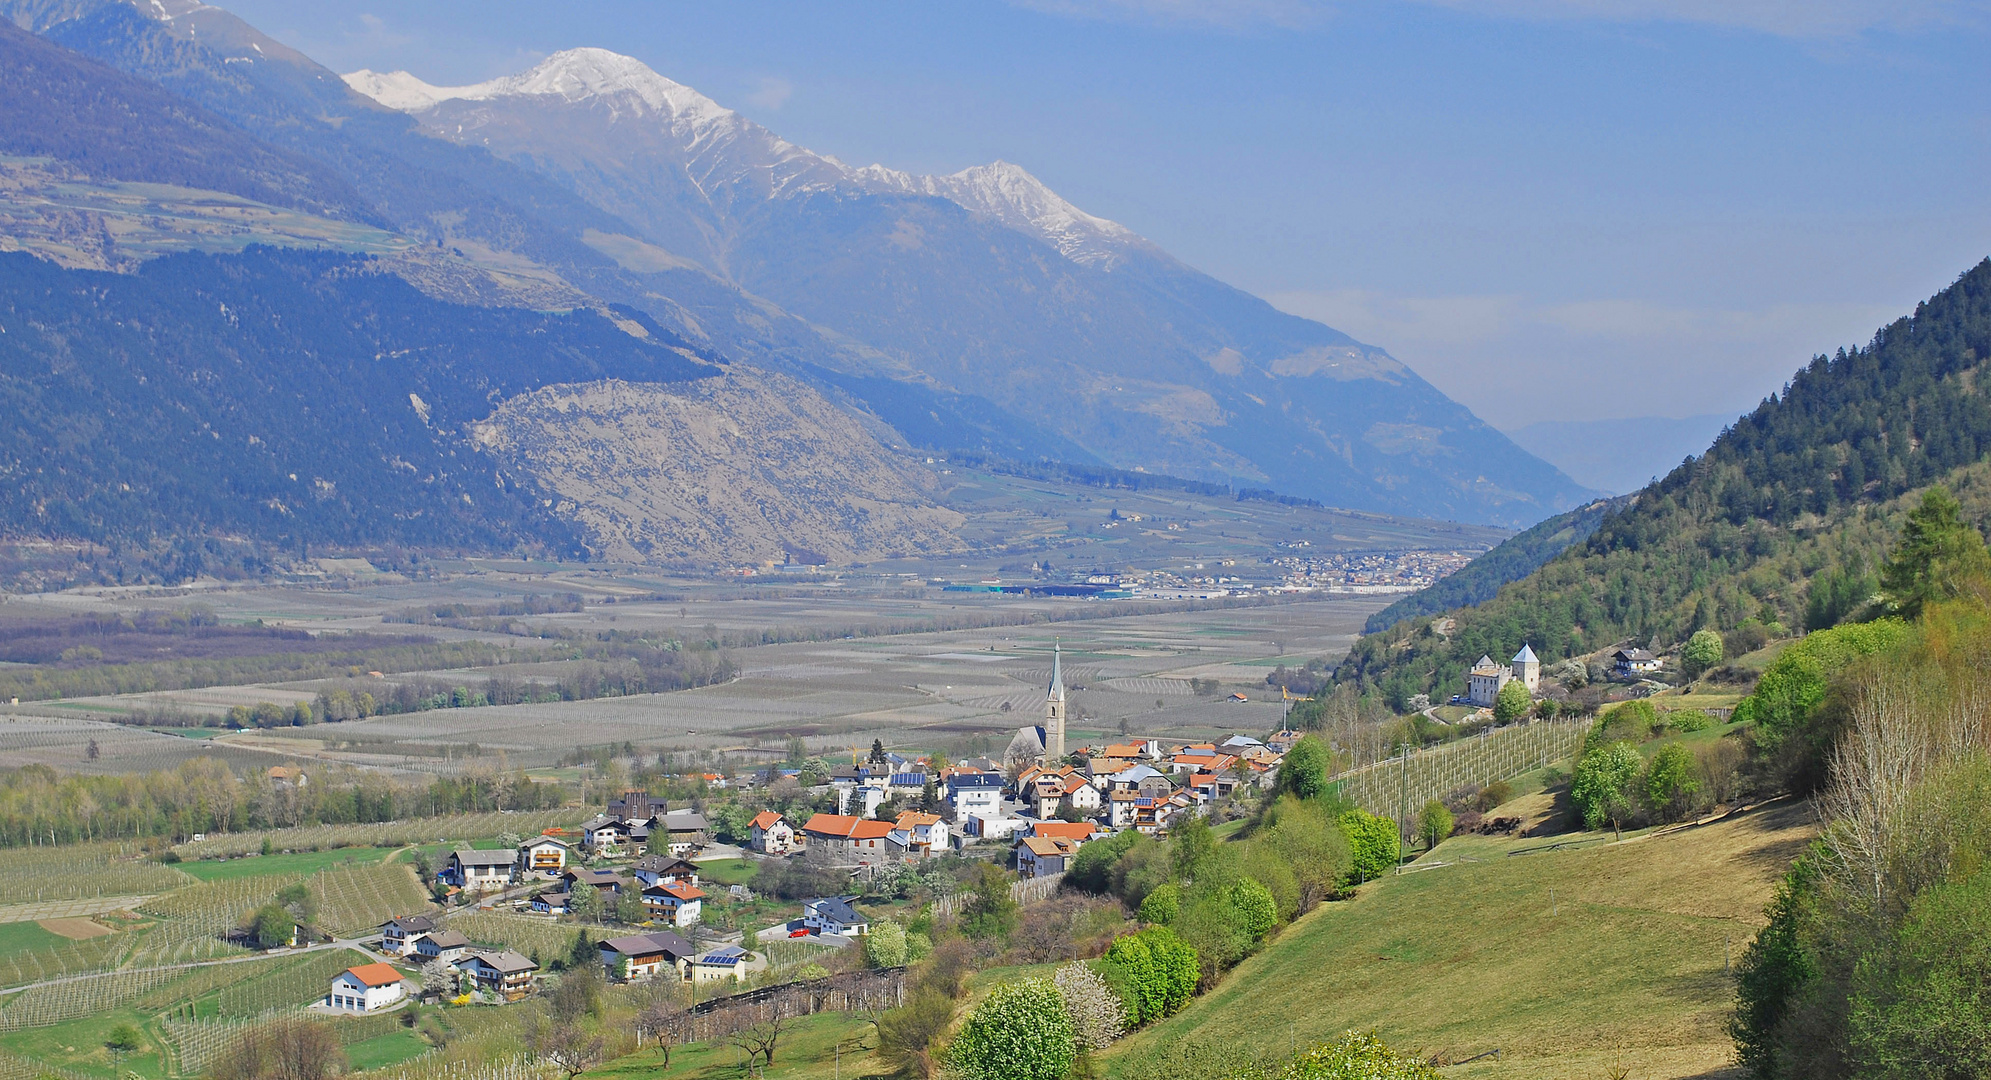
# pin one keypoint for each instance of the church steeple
(1054, 707)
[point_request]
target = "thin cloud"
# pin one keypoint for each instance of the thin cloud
(1514, 360)
(1782, 18)
(771, 94)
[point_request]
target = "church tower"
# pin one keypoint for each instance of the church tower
(1054, 709)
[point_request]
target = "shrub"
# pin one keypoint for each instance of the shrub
(1162, 905)
(1157, 972)
(1256, 909)
(1670, 781)
(1020, 1032)
(1786, 704)
(1512, 703)
(1701, 652)
(1689, 720)
(1603, 784)
(1634, 721)
(990, 914)
(1354, 1056)
(1373, 843)
(885, 945)
(1434, 823)
(1305, 768)
(1493, 795)
(1092, 868)
(1097, 1013)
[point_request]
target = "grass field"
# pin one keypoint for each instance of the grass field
(384, 1050)
(1623, 965)
(728, 871)
(807, 1052)
(300, 862)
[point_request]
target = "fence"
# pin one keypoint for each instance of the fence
(855, 991)
(1496, 754)
(1027, 891)
(52, 1003)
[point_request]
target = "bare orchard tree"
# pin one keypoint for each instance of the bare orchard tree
(283, 1050)
(664, 1018)
(1886, 748)
(565, 1045)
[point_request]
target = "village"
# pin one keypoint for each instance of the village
(1029, 812)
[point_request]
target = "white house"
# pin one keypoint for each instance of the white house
(834, 915)
(918, 835)
(367, 988)
(644, 956)
(771, 834)
(975, 795)
(470, 869)
(1633, 661)
(677, 905)
(441, 945)
(729, 962)
(397, 936)
(504, 972)
(1038, 856)
(543, 856)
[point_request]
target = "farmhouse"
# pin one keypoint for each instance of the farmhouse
(504, 972)
(834, 915)
(917, 835)
(471, 869)
(550, 903)
(664, 870)
(770, 834)
(842, 839)
(367, 988)
(643, 956)
(1632, 661)
(687, 831)
(397, 936)
(542, 855)
(441, 945)
(1040, 856)
(727, 963)
(677, 905)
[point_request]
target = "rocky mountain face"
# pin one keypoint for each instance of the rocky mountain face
(750, 467)
(987, 282)
(856, 311)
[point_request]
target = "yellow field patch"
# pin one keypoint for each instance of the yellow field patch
(75, 929)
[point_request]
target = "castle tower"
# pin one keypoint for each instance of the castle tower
(1054, 708)
(1528, 668)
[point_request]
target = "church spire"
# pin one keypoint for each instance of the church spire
(1054, 707)
(1057, 673)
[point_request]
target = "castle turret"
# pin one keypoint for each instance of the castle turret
(1528, 668)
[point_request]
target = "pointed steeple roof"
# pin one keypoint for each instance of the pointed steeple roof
(1526, 655)
(1057, 691)
(1484, 662)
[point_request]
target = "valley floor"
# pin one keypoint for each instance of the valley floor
(1623, 967)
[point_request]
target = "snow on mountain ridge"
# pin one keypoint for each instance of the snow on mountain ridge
(1005, 192)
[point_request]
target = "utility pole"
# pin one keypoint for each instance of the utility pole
(1403, 809)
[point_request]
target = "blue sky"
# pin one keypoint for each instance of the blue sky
(1550, 208)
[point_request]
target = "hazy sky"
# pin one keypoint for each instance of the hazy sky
(1550, 208)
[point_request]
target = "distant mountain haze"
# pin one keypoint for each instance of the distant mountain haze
(987, 282)
(977, 311)
(1620, 456)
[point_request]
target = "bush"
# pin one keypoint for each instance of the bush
(1157, 972)
(1701, 652)
(1670, 782)
(1512, 703)
(885, 945)
(1092, 868)
(1787, 704)
(1256, 909)
(1631, 721)
(1020, 1032)
(1305, 768)
(1098, 1014)
(1603, 784)
(990, 914)
(1373, 844)
(1689, 721)
(1162, 905)
(1354, 1056)
(1434, 823)
(1493, 795)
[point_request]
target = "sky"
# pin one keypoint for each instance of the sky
(1551, 209)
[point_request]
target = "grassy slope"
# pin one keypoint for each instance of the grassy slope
(1625, 964)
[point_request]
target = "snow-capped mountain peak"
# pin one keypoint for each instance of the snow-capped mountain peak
(720, 148)
(573, 75)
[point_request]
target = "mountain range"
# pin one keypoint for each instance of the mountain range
(973, 312)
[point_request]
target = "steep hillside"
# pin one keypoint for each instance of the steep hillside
(746, 468)
(987, 283)
(279, 396)
(102, 123)
(1780, 519)
(1515, 558)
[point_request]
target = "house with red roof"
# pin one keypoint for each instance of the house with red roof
(770, 834)
(367, 988)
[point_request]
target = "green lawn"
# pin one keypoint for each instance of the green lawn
(384, 1050)
(728, 871)
(808, 1051)
(1569, 962)
(79, 1045)
(19, 937)
(302, 862)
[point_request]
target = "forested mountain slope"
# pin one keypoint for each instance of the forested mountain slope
(279, 396)
(1784, 516)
